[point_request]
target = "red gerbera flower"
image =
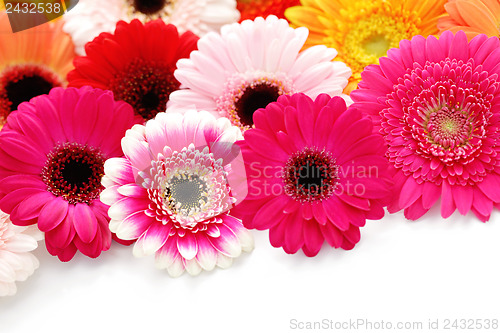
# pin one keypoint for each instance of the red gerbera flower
(250, 9)
(136, 63)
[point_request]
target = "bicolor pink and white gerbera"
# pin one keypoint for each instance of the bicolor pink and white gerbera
(174, 189)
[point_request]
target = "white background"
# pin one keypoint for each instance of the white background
(400, 271)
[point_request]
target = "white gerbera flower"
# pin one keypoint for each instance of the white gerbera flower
(91, 17)
(16, 261)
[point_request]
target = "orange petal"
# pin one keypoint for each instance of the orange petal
(451, 8)
(477, 15)
(494, 7)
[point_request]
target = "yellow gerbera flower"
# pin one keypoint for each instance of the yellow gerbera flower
(472, 16)
(32, 62)
(363, 30)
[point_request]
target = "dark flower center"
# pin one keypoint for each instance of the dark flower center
(310, 175)
(188, 191)
(149, 7)
(25, 89)
(20, 83)
(255, 97)
(146, 85)
(74, 172)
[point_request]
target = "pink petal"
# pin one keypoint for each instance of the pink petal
(410, 192)
(332, 235)
(482, 204)
(85, 223)
(228, 243)
(269, 214)
(187, 246)
(463, 196)
(294, 233)
(415, 211)
(206, 255)
(490, 187)
(30, 207)
(313, 239)
(52, 214)
(447, 203)
(335, 214)
(134, 225)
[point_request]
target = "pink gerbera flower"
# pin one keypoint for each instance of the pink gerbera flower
(173, 191)
(437, 104)
(315, 172)
(52, 153)
(251, 64)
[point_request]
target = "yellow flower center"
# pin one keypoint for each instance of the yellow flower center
(366, 33)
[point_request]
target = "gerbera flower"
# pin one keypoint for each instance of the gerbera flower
(91, 17)
(362, 31)
(136, 63)
(315, 172)
(16, 261)
(52, 153)
(251, 9)
(473, 17)
(437, 103)
(249, 65)
(31, 63)
(173, 191)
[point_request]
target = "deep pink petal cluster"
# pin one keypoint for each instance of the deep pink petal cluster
(52, 154)
(316, 172)
(437, 104)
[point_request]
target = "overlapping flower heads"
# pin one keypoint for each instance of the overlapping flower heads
(92, 17)
(17, 262)
(437, 103)
(362, 31)
(183, 129)
(472, 17)
(251, 9)
(31, 63)
(251, 64)
(137, 63)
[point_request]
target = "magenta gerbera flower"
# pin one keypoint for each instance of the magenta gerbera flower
(52, 153)
(174, 189)
(437, 104)
(315, 172)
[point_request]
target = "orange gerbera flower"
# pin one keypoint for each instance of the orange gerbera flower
(250, 9)
(32, 62)
(472, 16)
(362, 31)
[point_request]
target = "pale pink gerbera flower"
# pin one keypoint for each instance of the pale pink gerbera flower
(91, 17)
(250, 64)
(173, 191)
(437, 103)
(17, 262)
(52, 153)
(315, 173)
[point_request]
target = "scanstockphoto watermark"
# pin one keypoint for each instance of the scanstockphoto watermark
(26, 14)
(350, 179)
(361, 324)
(370, 325)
